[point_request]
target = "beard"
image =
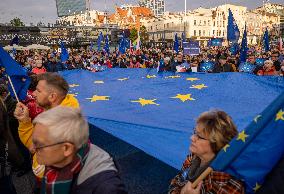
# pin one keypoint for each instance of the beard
(45, 104)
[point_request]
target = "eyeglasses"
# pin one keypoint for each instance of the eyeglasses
(198, 135)
(37, 149)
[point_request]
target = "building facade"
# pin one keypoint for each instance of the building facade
(157, 6)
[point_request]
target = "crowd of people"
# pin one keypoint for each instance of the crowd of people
(46, 138)
(211, 60)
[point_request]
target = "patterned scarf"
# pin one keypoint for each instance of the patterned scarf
(57, 180)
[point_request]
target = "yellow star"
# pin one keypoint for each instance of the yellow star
(184, 97)
(98, 82)
(280, 115)
(256, 118)
(257, 186)
(226, 147)
(192, 79)
(144, 102)
(199, 87)
(73, 85)
(173, 76)
(97, 98)
(242, 136)
(150, 76)
(122, 79)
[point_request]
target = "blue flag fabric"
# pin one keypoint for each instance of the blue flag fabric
(122, 44)
(99, 41)
(215, 42)
(257, 148)
(233, 32)
(176, 44)
(17, 73)
(234, 48)
(266, 41)
(64, 56)
(15, 40)
(156, 112)
(91, 46)
(244, 46)
(106, 47)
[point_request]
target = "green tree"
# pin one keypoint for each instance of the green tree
(17, 22)
(133, 34)
(144, 36)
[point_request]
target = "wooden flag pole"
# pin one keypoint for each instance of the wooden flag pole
(201, 177)
(13, 88)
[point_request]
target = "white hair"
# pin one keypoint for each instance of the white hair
(65, 124)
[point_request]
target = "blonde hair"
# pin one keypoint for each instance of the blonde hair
(219, 127)
(65, 124)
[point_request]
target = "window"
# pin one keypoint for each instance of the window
(199, 32)
(194, 23)
(213, 32)
(194, 32)
(203, 32)
(208, 22)
(204, 23)
(214, 23)
(223, 23)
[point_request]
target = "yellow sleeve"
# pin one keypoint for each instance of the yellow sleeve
(25, 131)
(38, 169)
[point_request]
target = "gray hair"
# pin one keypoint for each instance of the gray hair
(65, 124)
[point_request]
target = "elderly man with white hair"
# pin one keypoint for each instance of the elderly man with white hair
(73, 164)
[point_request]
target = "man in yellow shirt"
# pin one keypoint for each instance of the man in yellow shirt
(51, 91)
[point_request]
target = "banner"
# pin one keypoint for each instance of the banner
(191, 48)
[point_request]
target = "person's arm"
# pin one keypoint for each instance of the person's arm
(25, 125)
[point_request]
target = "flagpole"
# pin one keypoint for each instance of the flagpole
(13, 88)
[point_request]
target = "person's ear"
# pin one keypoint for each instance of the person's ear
(69, 149)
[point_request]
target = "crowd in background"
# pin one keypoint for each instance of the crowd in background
(220, 58)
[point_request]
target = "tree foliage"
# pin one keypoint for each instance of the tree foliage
(144, 36)
(17, 22)
(133, 34)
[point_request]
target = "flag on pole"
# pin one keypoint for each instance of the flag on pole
(17, 74)
(99, 41)
(256, 149)
(233, 32)
(122, 44)
(106, 47)
(176, 45)
(244, 46)
(64, 56)
(266, 41)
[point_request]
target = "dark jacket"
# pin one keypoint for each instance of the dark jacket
(225, 68)
(99, 175)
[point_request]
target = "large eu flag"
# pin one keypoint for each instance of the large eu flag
(256, 149)
(17, 73)
(156, 112)
(233, 32)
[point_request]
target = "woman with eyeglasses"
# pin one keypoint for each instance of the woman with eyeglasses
(214, 129)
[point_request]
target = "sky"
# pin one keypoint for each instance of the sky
(45, 10)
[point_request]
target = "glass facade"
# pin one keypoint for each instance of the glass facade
(69, 7)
